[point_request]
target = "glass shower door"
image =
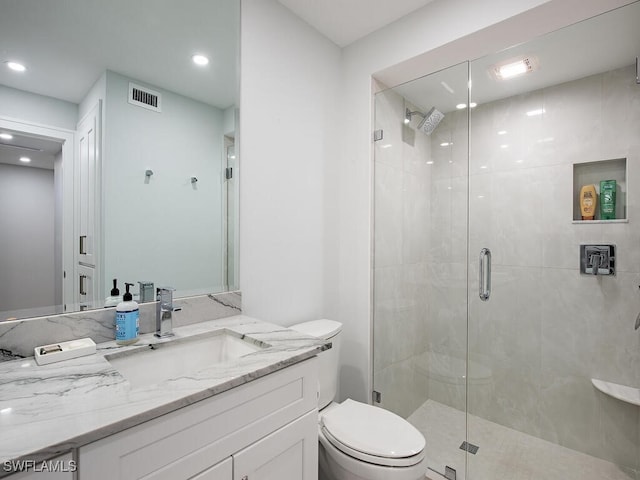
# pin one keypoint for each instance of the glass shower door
(542, 330)
(420, 260)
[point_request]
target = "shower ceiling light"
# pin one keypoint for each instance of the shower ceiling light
(514, 68)
(200, 60)
(25, 159)
(16, 67)
(6, 136)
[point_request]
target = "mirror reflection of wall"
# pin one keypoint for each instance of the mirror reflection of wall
(164, 228)
(30, 203)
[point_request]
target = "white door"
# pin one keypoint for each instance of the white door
(88, 136)
(86, 288)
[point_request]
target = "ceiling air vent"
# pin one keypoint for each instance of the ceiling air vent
(144, 97)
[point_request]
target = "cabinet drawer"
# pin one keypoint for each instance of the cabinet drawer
(186, 442)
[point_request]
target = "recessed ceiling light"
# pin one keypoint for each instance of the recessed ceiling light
(25, 159)
(473, 105)
(460, 106)
(6, 136)
(200, 60)
(502, 132)
(15, 66)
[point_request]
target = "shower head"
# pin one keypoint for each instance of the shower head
(429, 121)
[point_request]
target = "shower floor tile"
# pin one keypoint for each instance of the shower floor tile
(504, 453)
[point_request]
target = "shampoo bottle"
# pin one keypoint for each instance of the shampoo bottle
(607, 199)
(588, 202)
(127, 319)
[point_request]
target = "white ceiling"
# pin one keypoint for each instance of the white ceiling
(597, 45)
(41, 151)
(345, 21)
(68, 44)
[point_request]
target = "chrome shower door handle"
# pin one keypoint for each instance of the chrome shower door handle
(484, 280)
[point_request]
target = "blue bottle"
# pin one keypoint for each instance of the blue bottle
(127, 319)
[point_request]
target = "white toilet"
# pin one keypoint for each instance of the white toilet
(359, 441)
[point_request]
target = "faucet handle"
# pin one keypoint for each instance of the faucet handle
(165, 297)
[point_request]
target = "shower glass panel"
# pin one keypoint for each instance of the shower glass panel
(420, 259)
(487, 337)
(547, 330)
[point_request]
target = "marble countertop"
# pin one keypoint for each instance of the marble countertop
(50, 409)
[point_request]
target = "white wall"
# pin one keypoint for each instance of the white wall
(30, 107)
(26, 237)
(290, 100)
(163, 229)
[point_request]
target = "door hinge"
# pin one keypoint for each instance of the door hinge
(228, 173)
(377, 397)
(378, 135)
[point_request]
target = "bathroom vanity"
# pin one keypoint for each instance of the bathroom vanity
(240, 417)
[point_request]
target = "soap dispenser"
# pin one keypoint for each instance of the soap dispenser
(114, 298)
(127, 319)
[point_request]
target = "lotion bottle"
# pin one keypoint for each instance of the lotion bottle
(588, 202)
(114, 298)
(127, 319)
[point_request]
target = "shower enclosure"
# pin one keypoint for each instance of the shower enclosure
(487, 336)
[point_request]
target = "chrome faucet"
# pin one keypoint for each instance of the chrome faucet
(595, 261)
(164, 311)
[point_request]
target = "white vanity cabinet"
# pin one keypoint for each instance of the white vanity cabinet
(265, 429)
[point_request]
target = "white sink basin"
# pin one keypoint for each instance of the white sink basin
(180, 357)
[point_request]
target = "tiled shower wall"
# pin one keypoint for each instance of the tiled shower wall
(547, 329)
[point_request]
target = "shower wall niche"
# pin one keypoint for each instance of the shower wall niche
(592, 173)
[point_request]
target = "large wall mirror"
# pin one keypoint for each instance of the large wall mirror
(132, 143)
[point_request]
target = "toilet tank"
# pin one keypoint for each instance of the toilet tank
(328, 359)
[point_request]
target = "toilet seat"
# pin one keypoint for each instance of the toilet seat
(373, 435)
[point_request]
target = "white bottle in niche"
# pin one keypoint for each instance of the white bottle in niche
(127, 319)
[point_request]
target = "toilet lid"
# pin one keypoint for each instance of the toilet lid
(372, 431)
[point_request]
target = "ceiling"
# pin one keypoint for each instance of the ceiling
(67, 44)
(41, 151)
(606, 42)
(345, 21)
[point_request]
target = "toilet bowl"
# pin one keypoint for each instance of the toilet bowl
(359, 441)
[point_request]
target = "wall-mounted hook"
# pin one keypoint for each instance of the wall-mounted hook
(194, 179)
(148, 173)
